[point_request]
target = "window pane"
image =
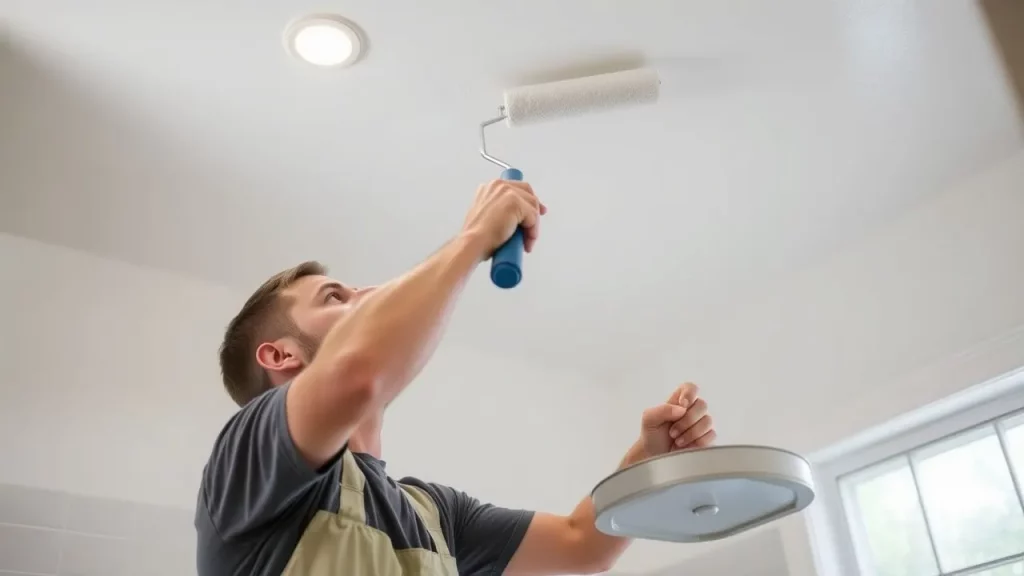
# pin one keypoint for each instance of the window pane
(886, 521)
(972, 509)
(1016, 569)
(1014, 428)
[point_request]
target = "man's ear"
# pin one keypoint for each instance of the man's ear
(282, 356)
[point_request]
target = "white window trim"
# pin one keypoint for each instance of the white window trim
(827, 524)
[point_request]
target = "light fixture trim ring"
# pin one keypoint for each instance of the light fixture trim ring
(346, 26)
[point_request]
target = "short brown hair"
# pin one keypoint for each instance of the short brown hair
(263, 317)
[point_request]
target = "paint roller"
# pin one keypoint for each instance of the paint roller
(543, 102)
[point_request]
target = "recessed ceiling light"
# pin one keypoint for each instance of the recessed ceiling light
(324, 40)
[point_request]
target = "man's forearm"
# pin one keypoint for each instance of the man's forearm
(600, 549)
(557, 544)
(392, 334)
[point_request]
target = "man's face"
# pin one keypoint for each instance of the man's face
(318, 303)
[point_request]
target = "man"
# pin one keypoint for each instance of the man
(295, 484)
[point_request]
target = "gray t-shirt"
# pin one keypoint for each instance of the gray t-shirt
(258, 495)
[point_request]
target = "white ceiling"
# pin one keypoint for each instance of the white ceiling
(180, 135)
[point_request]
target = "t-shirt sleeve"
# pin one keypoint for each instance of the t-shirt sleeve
(255, 473)
(485, 536)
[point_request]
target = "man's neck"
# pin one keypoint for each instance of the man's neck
(366, 438)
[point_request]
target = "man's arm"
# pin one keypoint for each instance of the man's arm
(369, 356)
(572, 544)
(372, 353)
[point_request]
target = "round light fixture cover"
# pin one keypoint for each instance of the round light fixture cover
(703, 495)
(324, 40)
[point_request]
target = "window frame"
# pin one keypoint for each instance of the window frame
(828, 525)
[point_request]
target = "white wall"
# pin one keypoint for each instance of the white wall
(52, 533)
(929, 305)
(111, 389)
(957, 308)
(504, 431)
(827, 346)
(111, 378)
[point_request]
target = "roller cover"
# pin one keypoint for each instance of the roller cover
(541, 102)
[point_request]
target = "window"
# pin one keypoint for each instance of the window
(952, 506)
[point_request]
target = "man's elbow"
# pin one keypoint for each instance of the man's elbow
(590, 559)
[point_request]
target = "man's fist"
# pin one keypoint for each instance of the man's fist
(499, 207)
(680, 423)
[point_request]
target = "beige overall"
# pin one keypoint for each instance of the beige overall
(343, 544)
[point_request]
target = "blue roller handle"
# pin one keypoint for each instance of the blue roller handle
(507, 261)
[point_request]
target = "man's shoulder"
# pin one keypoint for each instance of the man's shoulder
(441, 494)
(261, 406)
(237, 433)
(447, 499)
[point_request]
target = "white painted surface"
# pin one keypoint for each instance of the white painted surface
(825, 208)
(52, 533)
(785, 131)
(111, 377)
(825, 348)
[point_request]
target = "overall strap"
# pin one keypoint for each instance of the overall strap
(352, 484)
(426, 508)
